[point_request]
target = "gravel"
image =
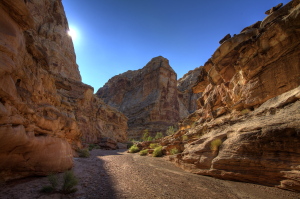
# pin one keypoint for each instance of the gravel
(117, 174)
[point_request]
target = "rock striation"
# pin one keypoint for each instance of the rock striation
(45, 110)
(187, 98)
(246, 126)
(148, 97)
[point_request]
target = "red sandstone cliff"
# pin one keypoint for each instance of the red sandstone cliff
(148, 97)
(246, 126)
(45, 111)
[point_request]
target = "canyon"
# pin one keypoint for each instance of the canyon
(237, 116)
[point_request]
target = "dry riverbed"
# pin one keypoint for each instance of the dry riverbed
(117, 174)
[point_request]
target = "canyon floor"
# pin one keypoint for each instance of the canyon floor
(117, 174)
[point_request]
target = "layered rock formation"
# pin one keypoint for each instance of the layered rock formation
(185, 91)
(148, 97)
(45, 111)
(247, 125)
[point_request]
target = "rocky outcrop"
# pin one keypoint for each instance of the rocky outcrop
(148, 97)
(45, 111)
(260, 146)
(187, 98)
(252, 67)
(246, 126)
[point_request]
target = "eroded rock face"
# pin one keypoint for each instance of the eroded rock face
(258, 147)
(187, 98)
(252, 67)
(148, 97)
(45, 111)
(250, 105)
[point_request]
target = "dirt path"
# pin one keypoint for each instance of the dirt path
(117, 174)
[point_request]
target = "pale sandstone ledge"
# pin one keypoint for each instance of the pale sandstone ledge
(45, 111)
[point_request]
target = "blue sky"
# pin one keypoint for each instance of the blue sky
(114, 36)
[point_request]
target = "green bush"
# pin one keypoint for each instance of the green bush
(144, 152)
(134, 149)
(83, 153)
(158, 135)
(174, 151)
(149, 138)
(69, 182)
(53, 180)
(145, 135)
(93, 146)
(171, 130)
(215, 144)
(157, 152)
(153, 145)
(129, 144)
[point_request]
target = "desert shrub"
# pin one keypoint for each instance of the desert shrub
(171, 130)
(215, 144)
(47, 189)
(129, 144)
(53, 180)
(93, 146)
(144, 152)
(158, 135)
(134, 149)
(153, 145)
(157, 152)
(83, 153)
(150, 138)
(69, 182)
(185, 137)
(174, 151)
(145, 135)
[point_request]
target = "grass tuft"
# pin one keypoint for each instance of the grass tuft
(83, 153)
(144, 152)
(134, 149)
(70, 181)
(215, 144)
(154, 145)
(157, 152)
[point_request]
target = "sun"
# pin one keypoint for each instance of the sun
(72, 33)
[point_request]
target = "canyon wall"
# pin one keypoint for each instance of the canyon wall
(148, 97)
(246, 126)
(45, 110)
(185, 91)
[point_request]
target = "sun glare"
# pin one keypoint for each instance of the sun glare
(72, 33)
